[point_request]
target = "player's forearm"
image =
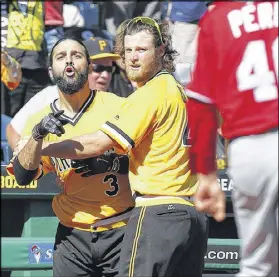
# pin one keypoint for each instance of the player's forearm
(26, 163)
(203, 129)
(30, 156)
(207, 178)
(81, 147)
(12, 136)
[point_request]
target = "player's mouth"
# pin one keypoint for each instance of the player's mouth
(69, 71)
(101, 85)
(134, 67)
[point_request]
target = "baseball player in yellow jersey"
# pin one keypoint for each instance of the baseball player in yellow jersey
(165, 235)
(96, 201)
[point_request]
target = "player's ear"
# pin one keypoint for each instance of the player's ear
(90, 67)
(161, 50)
(50, 73)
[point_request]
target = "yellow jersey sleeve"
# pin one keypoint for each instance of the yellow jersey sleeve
(135, 118)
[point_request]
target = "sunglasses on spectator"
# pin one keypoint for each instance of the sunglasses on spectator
(101, 68)
(143, 19)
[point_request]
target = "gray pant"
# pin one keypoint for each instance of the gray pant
(253, 165)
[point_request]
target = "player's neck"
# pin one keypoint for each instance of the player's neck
(71, 104)
(155, 72)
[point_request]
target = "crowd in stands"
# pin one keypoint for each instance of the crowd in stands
(31, 28)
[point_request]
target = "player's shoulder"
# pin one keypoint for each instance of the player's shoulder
(51, 91)
(41, 113)
(165, 88)
(106, 95)
(45, 96)
(35, 118)
(172, 87)
(106, 98)
(159, 83)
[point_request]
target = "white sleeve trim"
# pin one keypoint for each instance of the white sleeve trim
(116, 134)
(198, 96)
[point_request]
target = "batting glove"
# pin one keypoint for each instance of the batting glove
(49, 124)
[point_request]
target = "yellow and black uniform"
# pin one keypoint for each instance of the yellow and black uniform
(84, 201)
(93, 209)
(152, 125)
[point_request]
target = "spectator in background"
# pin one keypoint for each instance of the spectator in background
(102, 59)
(183, 18)
(72, 16)
(10, 71)
(115, 12)
(120, 83)
(82, 21)
(4, 23)
(25, 42)
(54, 22)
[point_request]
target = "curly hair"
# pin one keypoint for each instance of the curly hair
(130, 27)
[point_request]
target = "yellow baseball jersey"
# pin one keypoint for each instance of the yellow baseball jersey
(84, 201)
(152, 125)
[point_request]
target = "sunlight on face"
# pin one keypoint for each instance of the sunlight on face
(141, 58)
(69, 67)
(69, 51)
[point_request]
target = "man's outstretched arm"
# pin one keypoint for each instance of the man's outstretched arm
(80, 147)
(26, 163)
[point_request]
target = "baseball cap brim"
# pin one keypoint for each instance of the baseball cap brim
(114, 57)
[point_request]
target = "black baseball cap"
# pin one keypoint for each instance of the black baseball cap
(99, 48)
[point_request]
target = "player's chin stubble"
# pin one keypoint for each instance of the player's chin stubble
(68, 86)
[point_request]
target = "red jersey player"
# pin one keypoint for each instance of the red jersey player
(236, 73)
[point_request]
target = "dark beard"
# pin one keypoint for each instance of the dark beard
(71, 87)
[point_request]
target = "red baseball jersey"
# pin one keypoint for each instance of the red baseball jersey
(237, 66)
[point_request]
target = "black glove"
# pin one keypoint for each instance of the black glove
(49, 124)
(108, 162)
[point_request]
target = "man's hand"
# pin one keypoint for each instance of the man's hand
(5, 59)
(108, 162)
(49, 124)
(209, 197)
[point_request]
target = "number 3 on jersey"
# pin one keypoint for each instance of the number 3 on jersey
(113, 182)
(254, 71)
